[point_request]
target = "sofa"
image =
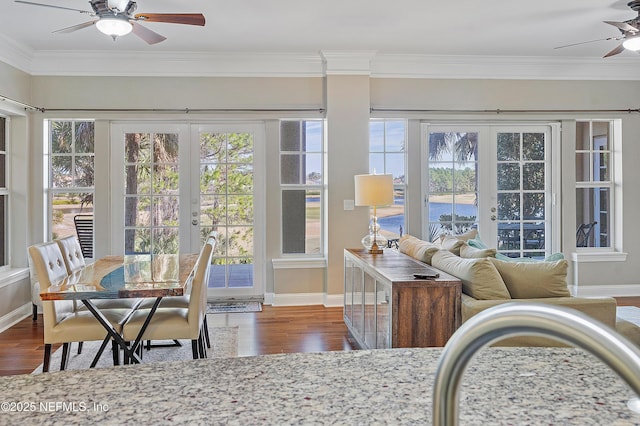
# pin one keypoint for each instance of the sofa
(488, 281)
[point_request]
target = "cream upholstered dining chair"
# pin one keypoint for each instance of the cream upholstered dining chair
(183, 301)
(74, 261)
(177, 323)
(62, 322)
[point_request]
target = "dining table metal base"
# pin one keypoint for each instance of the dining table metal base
(130, 351)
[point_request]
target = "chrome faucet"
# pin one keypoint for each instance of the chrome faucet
(513, 319)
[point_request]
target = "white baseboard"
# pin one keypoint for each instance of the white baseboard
(622, 290)
(15, 316)
(303, 299)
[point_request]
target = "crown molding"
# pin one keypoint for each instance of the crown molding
(315, 64)
(15, 54)
(170, 64)
(346, 62)
(504, 67)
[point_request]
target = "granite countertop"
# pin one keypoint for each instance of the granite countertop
(393, 386)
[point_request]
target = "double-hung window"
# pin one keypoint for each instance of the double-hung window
(597, 183)
(4, 193)
(70, 152)
(387, 155)
(302, 162)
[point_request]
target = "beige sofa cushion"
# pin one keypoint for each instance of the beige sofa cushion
(480, 279)
(468, 252)
(527, 280)
(602, 309)
(418, 249)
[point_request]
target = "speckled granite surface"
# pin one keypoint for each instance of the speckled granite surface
(501, 386)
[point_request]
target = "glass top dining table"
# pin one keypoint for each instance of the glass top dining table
(129, 276)
(120, 277)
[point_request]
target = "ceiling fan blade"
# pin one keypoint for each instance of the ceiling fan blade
(585, 42)
(615, 51)
(623, 26)
(74, 27)
(172, 18)
(151, 37)
(52, 6)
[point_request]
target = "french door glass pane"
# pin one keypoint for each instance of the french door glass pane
(521, 201)
(226, 205)
(152, 198)
(453, 183)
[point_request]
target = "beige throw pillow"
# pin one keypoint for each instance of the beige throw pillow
(468, 252)
(480, 279)
(466, 236)
(452, 243)
(418, 249)
(533, 280)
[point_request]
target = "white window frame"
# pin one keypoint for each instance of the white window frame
(49, 172)
(613, 253)
(396, 186)
(6, 192)
(321, 187)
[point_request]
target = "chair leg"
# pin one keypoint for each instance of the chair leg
(35, 311)
(125, 357)
(65, 356)
(47, 357)
(79, 348)
(201, 346)
(116, 352)
(206, 332)
(194, 348)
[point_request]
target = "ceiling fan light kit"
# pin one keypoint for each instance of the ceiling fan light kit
(116, 18)
(632, 43)
(115, 26)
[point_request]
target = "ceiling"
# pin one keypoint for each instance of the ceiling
(462, 28)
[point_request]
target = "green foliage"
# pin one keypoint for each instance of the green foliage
(443, 180)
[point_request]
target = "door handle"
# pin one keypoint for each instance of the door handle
(493, 217)
(194, 222)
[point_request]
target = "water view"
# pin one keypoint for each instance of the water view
(392, 223)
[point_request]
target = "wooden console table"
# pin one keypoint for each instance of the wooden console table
(386, 307)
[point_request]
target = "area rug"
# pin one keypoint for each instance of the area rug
(224, 344)
(227, 307)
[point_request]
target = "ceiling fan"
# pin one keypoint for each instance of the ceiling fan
(116, 18)
(630, 33)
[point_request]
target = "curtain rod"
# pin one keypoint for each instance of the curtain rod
(506, 111)
(22, 104)
(184, 110)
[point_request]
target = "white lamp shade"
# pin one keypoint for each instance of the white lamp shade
(374, 190)
(114, 26)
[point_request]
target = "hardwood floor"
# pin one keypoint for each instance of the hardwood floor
(274, 330)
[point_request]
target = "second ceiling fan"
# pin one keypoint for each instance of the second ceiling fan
(117, 18)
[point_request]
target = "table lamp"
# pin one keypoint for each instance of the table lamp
(374, 191)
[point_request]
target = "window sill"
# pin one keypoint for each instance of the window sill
(299, 263)
(599, 256)
(13, 275)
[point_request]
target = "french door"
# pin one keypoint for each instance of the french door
(172, 185)
(495, 178)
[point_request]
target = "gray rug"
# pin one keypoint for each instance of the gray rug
(228, 307)
(224, 344)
